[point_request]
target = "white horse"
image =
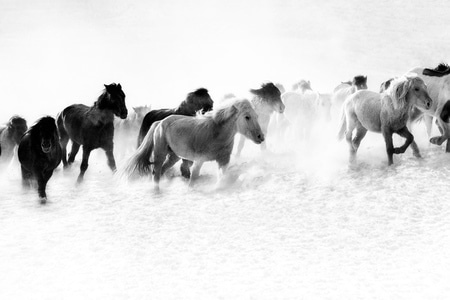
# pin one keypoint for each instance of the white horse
(345, 89)
(199, 139)
(266, 100)
(303, 109)
(385, 113)
(438, 82)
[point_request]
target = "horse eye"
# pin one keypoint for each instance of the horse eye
(416, 89)
(247, 118)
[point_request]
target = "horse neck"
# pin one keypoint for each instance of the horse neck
(227, 130)
(185, 109)
(104, 115)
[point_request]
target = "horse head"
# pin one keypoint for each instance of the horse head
(46, 133)
(117, 100)
(360, 82)
(17, 126)
(199, 100)
(247, 121)
(410, 90)
(302, 86)
(271, 95)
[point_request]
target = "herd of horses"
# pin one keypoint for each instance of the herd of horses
(199, 130)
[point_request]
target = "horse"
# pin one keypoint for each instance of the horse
(266, 100)
(208, 137)
(304, 108)
(345, 89)
(10, 136)
(127, 130)
(39, 154)
(438, 83)
(198, 100)
(92, 127)
(385, 113)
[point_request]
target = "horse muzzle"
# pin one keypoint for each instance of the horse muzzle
(46, 148)
(259, 138)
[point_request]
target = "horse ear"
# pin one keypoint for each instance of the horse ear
(120, 87)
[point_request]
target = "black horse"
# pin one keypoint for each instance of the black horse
(92, 127)
(199, 100)
(39, 154)
(10, 136)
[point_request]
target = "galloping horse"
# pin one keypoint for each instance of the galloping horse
(199, 100)
(198, 139)
(266, 100)
(39, 154)
(10, 136)
(92, 126)
(438, 83)
(345, 89)
(386, 113)
(304, 107)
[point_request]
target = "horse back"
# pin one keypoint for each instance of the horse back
(150, 118)
(87, 126)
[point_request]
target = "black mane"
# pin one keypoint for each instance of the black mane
(47, 124)
(441, 70)
(359, 79)
(201, 92)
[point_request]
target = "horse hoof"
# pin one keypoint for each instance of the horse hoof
(437, 140)
(43, 200)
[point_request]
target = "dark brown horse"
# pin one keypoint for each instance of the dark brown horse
(10, 136)
(198, 100)
(39, 154)
(92, 127)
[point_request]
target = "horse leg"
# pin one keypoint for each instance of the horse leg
(170, 161)
(387, 134)
(360, 134)
(160, 152)
(42, 179)
(84, 163)
(240, 145)
(195, 172)
(26, 177)
(64, 140)
(351, 125)
(185, 168)
(73, 152)
(404, 132)
(111, 160)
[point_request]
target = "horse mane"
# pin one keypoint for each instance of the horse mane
(186, 104)
(359, 79)
(16, 119)
(48, 122)
(441, 70)
(220, 115)
(266, 93)
(398, 90)
(102, 100)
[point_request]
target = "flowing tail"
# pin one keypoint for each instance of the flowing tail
(342, 126)
(139, 163)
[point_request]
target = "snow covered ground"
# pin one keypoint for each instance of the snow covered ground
(296, 223)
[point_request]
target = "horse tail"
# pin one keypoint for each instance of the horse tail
(139, 163)
(343, 124)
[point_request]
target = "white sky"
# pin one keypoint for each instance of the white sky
(55, 53)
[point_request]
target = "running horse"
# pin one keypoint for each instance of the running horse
(10, 136)
(198, 100)
(92, 127)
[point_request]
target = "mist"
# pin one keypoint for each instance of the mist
(295, 222)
